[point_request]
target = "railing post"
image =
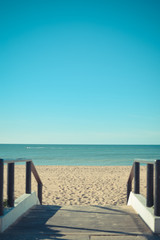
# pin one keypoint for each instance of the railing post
(136, 177)
(149, 185)
(10, 185)
(40, 192)
(1, 186)
(28, 177)
(157, 189)
(129, 189)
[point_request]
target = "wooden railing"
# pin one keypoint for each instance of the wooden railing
(153, 183)
(10, 180)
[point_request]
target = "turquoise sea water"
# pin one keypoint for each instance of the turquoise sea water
(89, 155)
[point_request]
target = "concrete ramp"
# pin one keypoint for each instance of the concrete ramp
(79, 223)
(21, 205)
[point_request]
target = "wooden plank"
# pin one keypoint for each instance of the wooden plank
(35, 173)
(79, 221)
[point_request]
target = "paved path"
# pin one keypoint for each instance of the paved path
(79, 223)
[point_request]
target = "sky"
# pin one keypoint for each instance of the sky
(80, 72)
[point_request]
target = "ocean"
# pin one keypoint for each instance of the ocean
(80, 155)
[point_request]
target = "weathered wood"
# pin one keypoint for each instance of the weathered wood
(16, 160)
(136, 177)
(157, 189)
(131, 176)
(35, 173)
(28, 177)
(129, 183)
(39, 182)
(1, 185)
(40, 192)
(49, 222)
(10, 185)
(149, 185)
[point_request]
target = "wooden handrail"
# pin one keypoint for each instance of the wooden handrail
(1, 185)
(10, 188)
(35, 173)
(129, 182)
(16, 160)
(131, 176)
(144, 161)
(135, 174)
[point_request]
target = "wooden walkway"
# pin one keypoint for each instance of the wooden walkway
(79, 223)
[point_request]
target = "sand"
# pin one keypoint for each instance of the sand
(79, 185)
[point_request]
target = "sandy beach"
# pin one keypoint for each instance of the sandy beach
(79, 185)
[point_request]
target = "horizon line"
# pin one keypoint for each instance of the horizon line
(121, 144)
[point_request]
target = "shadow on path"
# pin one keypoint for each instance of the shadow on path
(78, 222)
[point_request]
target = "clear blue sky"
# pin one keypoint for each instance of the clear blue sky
(80, 71)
